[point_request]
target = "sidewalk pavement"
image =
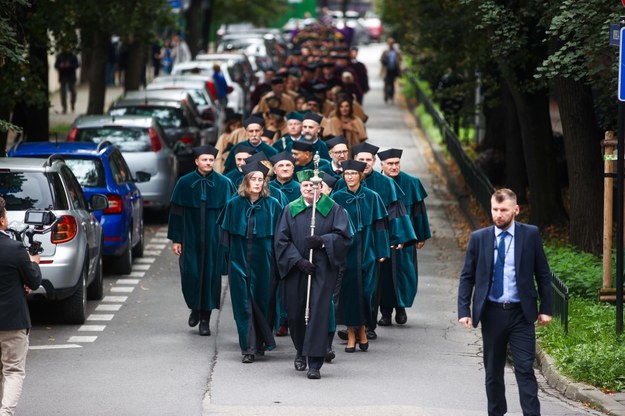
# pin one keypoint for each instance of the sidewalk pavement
(57, 118)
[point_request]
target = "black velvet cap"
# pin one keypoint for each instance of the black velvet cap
(244, 149)
(365, 147)
(313, 116)
(329, 180)
(302, 145)
(254, 120)
(282, 156)
(353, 165)
(255, 167)
(204, 150)
(256, 157)
(387, 154)
(269, 133)
(336, 140)
(277, 80)
(276, 112)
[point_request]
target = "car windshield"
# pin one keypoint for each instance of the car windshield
(25, 190)
(168, 117)
(126, 139)
(89, 172)
(249, 46)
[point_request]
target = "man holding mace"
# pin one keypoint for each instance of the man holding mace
(311, 242)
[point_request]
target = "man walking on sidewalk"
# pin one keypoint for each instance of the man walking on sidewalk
(66, 64)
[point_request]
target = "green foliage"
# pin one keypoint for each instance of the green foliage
(591, 352)
(580, 271)
(260, 13)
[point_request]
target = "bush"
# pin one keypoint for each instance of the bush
(591, 352)
(580, 271)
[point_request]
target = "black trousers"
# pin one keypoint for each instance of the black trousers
(501, 327)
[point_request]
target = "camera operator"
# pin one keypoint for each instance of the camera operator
(19, 275)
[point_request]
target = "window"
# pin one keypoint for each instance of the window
(89, 172)
(119, 168)
(75, 194)
(24, 190)
(126, 139)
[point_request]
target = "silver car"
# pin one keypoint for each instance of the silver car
(142, 143)
(71, 260)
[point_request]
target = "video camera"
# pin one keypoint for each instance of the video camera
(36, 221)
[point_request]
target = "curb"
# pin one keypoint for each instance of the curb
(581, 392)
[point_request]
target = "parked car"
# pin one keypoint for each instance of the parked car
(71, 261)
(373, 24)
(262, 48)
(100, 168)
(141, 140)
(202, 92)
(238, 99)
(242, 69)
(208, 129)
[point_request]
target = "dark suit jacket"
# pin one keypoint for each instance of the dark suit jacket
(530, 263)
(16, 271)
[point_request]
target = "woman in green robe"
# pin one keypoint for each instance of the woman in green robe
(370, 245)
(248, 222)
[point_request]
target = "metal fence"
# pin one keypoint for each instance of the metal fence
(475, 179)
(560, 294)
(481, 187)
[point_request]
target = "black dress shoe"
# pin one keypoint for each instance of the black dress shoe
(248, 359)
(313, 374)
(205, 327)
(300, 363)
(400, 316)
(330, 355)
(385, 321)
(371, 334)
(342, 333)
(194, 318)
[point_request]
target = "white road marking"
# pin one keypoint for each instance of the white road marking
(92, 328)
(126, 289)
(108, 308)
(159, 241)
(82, 338)
(155, 246)
(152, 252)
(135, 274)
(115, 299)
(100, 317)
(145, 260)
(161, 234)
(54, 347)
(127, 281)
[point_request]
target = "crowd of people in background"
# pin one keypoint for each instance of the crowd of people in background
(301, 156)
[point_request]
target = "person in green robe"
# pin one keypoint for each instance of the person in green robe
(311, 133)
(284, 170)
(294, 132)
(401, 233)
(337, 147)
(247, 223)
(240, 156)
(196, 202)
(254, 129)
(302, 152)
(274, 191)
(399, 293)
(369, 247)
(328, 245)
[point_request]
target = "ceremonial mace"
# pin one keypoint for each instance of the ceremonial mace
(316, 180)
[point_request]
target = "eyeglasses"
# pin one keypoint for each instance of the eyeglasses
(350, 173)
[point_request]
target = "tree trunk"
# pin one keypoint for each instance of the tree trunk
(135, 67)
(582, 139)
(516, 173)
(546, 207)
(97, 77)
(206, 26)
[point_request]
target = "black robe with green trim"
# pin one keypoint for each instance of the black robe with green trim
(247, 235)
(370, 243)
(334, 228)
(401, 291)
(196, 203)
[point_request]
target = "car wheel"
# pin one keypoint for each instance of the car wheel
(74, 308)
(137, 250)
(124, 262)
(95, 291)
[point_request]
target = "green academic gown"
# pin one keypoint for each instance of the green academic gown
(324, 166)
(284, 143)
(247, 235)
(332, 224)
(195, 206)
(371, 243)
(290, 189)
(402, 289)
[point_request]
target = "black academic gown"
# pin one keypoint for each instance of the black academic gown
(334, 228)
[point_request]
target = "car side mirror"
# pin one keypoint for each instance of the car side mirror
(141, 176)
(99, 202)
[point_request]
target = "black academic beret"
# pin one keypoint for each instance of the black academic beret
(387, 154)
(282, 156)
(329, 180)
(319, 87)
(256, 157)
(244, 149)
(269, 133)
(254, 120)
(204, 150)
(277, 80)
(364, 147)
(353, 165)
(276, 112)
(255, 167)
(336, 140)
(302, 145)
(313, 116)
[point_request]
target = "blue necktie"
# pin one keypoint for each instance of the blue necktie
(497, 289)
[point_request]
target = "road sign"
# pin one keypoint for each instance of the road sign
(621, 65)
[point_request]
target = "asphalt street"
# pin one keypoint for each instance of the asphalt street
(137, 356)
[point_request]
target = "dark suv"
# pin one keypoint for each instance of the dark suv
(71, 261)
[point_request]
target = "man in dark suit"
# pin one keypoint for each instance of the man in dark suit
(19, 275)
(501, 265)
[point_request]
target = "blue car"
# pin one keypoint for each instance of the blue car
(101, 169)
